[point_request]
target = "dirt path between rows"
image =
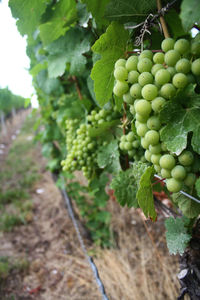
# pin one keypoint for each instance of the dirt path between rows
(58, 269)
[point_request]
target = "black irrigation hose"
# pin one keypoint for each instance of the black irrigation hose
(89, 258)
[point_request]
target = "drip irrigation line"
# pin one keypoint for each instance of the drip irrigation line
(88, 258)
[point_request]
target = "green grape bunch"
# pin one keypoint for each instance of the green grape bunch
(82, 149)
(146, 82)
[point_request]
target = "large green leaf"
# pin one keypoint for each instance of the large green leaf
(28, 14)
(69, 48)
(108, 157)
(189, 207)
(174, 23)
(97, 9)
(190, 13)
(145, 194)
(180, 122)
(111, 45)
(129, 11)
(177, 235)
(48, 85)
(64, 14)
(125, 188)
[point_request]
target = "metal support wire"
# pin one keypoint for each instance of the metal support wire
(89, 258)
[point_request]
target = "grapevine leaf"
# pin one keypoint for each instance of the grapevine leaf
(97, 190)
(102, 129)
(177, 235)
(108, 157)
(174, 22)
(145, 194)
(83, 14)
(138, 170)
(28, 14)
(189, 207)
(197, 186)
(125, 188)
(64, 14)
(190, 13)
(97, 9)
(179, 123)
(129, 11)
(68, 49)
(111, 45)
(37, 68)
(49, 85)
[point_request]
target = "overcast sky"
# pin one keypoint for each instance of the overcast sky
(13, 59)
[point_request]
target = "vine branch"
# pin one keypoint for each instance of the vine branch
(74, 78)
(162, 20)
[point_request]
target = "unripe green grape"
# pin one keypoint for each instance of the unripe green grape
(158, 58)
(152, 137)
(149, 92)
(180, 80)
(120, 63)
(157, 104)
(133, 76)
(168, 91)
(157, 168)
(131, 153)
(178, 172)
(196, 67)
(163, 147)
(132, 109)
(121, 145)
(144, 143)
(165, 173)
(101, 121)
(182, 46)
(162, 76)
(97, 117)
(131, 63)
(127, 98)
(147, 155)
(156, 68)
(120, 73)
(135, 91)
(195, 48)
(173, 185)
(171, 57)
(145, 78)
(130, 137)
(190, 179)
(123, 138)
(120, 88)
(154, 123)
(183, 66)
(136, 144)
(142, 129)
(128, 146)
(155, 158)
(167, 44)
(146, 54)
(172, 71)
(186, 158)
(141, 118)
(167, 161)
(144, 65)
(143, 107)
(155, 149)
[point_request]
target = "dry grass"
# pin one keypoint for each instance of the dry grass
(138, 269)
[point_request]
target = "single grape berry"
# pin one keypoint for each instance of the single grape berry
(131, 63)
(168, 91)
(180, 80)
(155, 68)
(146, 54)
(182, 46)
(133, 76)
(120, 88)
(186, 158)
(167, 161)
(165, 173)
(144, 65)
(173, 185)
(196, 67)
(120, 73)
(135, 91)
(158, 58)
(145, 78)
(157, 104)
(120, 63)
(162, 77)
(143, 108)
(171, 57)
(167, 44)
(178, 172)
(152, 137)
(183, 66)
(149, 92)
(190, 179)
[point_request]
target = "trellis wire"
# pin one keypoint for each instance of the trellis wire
(182, 192)
(89, 258)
